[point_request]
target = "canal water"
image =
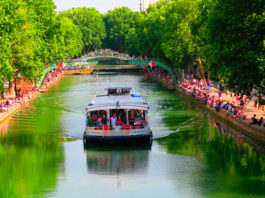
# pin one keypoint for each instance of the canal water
(193, 154)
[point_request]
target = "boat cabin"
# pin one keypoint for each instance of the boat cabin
(118, 90)
(118, 108)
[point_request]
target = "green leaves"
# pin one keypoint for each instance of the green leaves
(91, 24)
(234, 37)
(118, 24)
(32, 34)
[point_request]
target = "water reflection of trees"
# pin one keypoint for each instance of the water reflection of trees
(28, 170)
(31, 153)
(111, 160)
(232, 163)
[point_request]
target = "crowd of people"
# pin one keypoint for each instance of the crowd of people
(20, 98)
(200, 90)
(160, 73)
(52, 75)
(109, 52)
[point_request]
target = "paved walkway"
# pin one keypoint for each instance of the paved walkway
(249, 108)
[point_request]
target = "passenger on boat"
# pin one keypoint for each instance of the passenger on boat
(140, 115)
(104, 120)
(89, 122)
(119, 121)
(99, 122)
(113, 120)
(131, 120)
(95, 119)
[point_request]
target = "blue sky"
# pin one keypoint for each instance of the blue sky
(101, 5)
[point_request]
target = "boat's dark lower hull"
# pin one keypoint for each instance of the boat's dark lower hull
(119, 140)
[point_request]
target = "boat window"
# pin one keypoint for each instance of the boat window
(112, 91)
(118, 91)
(99, 118)
(120, 115)
(125, 91)
(138, 115)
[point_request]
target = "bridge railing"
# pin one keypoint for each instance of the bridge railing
(45, 72)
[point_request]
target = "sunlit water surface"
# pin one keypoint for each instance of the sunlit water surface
(193, 154)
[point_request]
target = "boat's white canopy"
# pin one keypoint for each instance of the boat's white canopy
(128, 101)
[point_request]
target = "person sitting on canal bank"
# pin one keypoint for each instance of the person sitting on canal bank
(131, 120)
(254, 120)
(261, 121)
(89, 122)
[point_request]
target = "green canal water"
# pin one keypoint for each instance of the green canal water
(193, 154)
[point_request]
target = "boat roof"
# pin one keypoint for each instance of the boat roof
(128, 101)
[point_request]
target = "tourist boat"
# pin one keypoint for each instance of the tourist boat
(119, 117)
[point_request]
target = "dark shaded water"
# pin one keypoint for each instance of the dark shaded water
(193, 154)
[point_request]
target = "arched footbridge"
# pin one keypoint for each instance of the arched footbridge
(119, 61)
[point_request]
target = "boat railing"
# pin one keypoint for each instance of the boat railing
(125, 130)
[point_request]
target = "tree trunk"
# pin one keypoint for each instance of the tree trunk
(201, 68)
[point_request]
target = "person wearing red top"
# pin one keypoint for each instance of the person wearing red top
(119, 121)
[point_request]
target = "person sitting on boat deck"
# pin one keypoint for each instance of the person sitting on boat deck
(131, 120)
(119, 121)
(104, 120)
(113, 120)
(254, 120)
(89, 122)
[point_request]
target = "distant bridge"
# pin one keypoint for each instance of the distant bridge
(113, 62)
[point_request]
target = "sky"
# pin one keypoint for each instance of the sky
(101, 5)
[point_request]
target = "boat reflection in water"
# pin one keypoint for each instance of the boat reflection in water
(117, 160)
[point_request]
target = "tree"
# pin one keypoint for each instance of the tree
(66, 38)
(178, 41)
(6, 70)
(31, 35)
(91, 24)
(118, 24)
(235, 47)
